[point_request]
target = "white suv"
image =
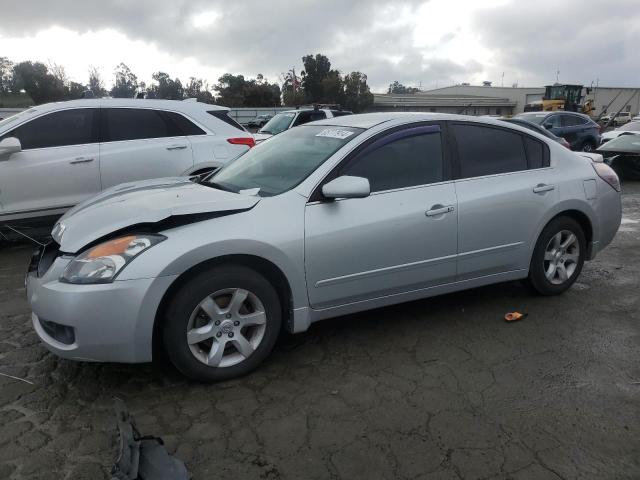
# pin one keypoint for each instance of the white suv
(620, 118)
(56, 155)
(292, 118)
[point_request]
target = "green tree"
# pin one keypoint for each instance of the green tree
(36, 80)
(292, 93)
(6, 67)
(96, 85)
(316, 69)
(231, 89)
(237, 91)
(198, 89)
(165, 88)
(398, 88)
(75, 90)
(126, 83)
(358, 96)
(333, 88)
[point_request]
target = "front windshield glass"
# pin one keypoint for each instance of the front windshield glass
(627, 143)
(630, 127)
(282, 162)
(278, 124)
(536, 118)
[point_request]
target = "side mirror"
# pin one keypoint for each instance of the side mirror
(347, 187)
(548, 126)
(9, 146)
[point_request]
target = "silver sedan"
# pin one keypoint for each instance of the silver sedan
(326, 219)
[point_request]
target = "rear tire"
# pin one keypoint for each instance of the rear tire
(558, 256)
(222, 323)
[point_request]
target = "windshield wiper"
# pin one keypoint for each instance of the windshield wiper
(266, 131)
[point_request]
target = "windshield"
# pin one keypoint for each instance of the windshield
(536, 118)
(630, 127)
(624, 143)
(284, 161)
(278, 124)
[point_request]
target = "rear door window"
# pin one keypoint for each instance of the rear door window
(58, 129)
(570, 120)
(402, 159)
(136, 124)
(224, 116)
(183, 125)
(537, 153)
(486, 150)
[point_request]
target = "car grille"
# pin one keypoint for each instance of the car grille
(43, 257)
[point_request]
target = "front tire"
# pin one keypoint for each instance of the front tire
(222, 323)
(588, 146)
(558, 256)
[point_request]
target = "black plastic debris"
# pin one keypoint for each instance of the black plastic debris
(143, 457)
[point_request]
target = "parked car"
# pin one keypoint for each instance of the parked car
(260, 120)
(619, 119)
(292, 118)
(538, 129)
(579, 130)
(636, 118)
(623, 155)
(631, 128)
(56, 155)
(327, 219)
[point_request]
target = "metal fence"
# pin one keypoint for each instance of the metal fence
(7, 112)
(245, 115)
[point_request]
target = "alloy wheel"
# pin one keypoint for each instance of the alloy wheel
(561, 257)
(226, 327)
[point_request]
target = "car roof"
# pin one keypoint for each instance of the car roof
(178, 105)
(546, 114)
(369, 120)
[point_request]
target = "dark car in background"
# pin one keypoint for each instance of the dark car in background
(582, 133)
(623, 155)
(260, 121)
(538, 129)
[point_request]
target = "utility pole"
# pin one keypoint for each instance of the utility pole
(558, 75)
(502, 82)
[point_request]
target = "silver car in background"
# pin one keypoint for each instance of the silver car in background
(330, 218)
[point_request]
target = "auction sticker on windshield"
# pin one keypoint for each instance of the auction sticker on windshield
(334, 133)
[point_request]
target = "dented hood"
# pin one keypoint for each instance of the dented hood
(143, 202)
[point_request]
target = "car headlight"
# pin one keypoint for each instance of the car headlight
(102, 263)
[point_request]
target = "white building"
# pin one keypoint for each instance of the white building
(489, 100)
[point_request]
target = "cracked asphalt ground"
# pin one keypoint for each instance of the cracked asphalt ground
(441, 388)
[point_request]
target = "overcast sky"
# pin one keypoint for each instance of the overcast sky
(429, 43)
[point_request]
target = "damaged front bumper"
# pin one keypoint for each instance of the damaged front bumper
(110, 322)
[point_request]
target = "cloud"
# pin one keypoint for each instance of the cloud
(585, 40)
(412, 41)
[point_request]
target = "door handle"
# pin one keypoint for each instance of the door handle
(81, 160)
(176, 147)
(439, 210)
(541, 188)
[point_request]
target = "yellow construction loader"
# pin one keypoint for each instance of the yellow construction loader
(562, 97)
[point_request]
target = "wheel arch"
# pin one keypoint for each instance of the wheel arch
(583, 220)
(263, 266)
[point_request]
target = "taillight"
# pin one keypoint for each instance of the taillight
(248, 141)
(607, 173)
